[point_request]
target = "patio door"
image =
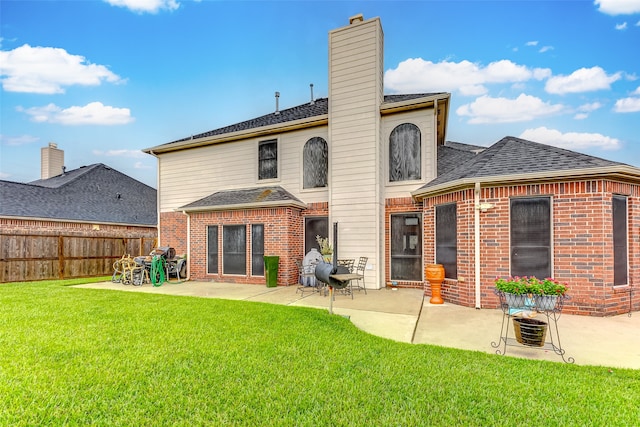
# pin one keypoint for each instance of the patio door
(314, 226)
(406, 247)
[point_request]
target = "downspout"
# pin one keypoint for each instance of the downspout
(476, 230)
(188, 244)
(157, 195)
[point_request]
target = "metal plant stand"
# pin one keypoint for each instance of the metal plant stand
(551, 314)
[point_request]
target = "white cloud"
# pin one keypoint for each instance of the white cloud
(94, 113)
(544, 49)
(636, 92)
(4, 175)
(47, 70)
(18, 140)
(140, 165)
(532, 43)
(418, 75)
(146, 6)
(585, 109)
(618, 7)
(622, 26)
(582, 80)
(503, 110)
(571, 140)
(627, 105)
(120, 153)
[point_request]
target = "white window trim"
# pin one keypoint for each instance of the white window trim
(279, 161)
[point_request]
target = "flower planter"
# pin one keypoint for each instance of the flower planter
(531, 332)
(545, 302)
(515, 300)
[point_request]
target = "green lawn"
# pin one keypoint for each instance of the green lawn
(73, 356)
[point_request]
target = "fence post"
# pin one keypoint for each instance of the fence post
(60, 257)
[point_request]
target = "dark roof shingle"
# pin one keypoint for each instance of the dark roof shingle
(94, 193)
(515, 156)
(255, 197)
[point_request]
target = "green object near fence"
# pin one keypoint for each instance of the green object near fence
(271, 270)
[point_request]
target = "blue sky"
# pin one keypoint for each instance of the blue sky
(105, 79)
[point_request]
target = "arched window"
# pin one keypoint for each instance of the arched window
(405, 155)
(315, 163)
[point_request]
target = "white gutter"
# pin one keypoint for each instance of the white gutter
(476, 230)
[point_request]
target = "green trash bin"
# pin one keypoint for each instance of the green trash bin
(271, 270)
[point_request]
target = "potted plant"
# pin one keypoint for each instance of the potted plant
(546, 293)
(325, 248)
(515, 290)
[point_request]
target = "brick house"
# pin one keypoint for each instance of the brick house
(73, 224)
(380, 167)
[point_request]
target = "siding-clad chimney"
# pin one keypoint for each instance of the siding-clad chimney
(52, 161)
(355, 95)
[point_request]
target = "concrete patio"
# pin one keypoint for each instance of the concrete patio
(404, 315)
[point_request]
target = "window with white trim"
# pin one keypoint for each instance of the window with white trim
(268, 159)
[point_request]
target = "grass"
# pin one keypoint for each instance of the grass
(71, 356)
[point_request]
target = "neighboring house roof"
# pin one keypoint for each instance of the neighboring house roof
(94, 193)
(245, 198)
(317, 109)
(518, 160)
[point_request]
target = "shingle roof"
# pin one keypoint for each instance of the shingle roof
(453, 154)
(515, 156)
(318, 108)
(94, 193)
(247, 197)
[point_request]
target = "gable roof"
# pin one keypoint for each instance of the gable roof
(453, 154)
(307, 114)
(256, 197)
(514, 159)
(94, 193)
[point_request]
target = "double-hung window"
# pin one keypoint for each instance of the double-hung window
(620, 240)
(446, 239)
(268, 159)
(530, 224)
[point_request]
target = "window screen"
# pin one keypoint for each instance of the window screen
(620, 240)
(234, 249)
(257, 250)
(315, 163)
(268, 159)
(531, 237)
(404, 153)
(406, 247)
(446, 239)
(212, 249)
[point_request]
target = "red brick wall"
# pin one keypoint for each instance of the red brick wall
(173, 231)
(283, 237)
(582, 242)
(461, 290)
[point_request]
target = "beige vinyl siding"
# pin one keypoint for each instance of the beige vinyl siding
(424, 119)
(189, 175)
(355, 94)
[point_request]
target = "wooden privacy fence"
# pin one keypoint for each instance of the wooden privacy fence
(26, 257)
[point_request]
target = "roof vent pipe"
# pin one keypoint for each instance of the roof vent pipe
(277, 98)
(311, 86)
